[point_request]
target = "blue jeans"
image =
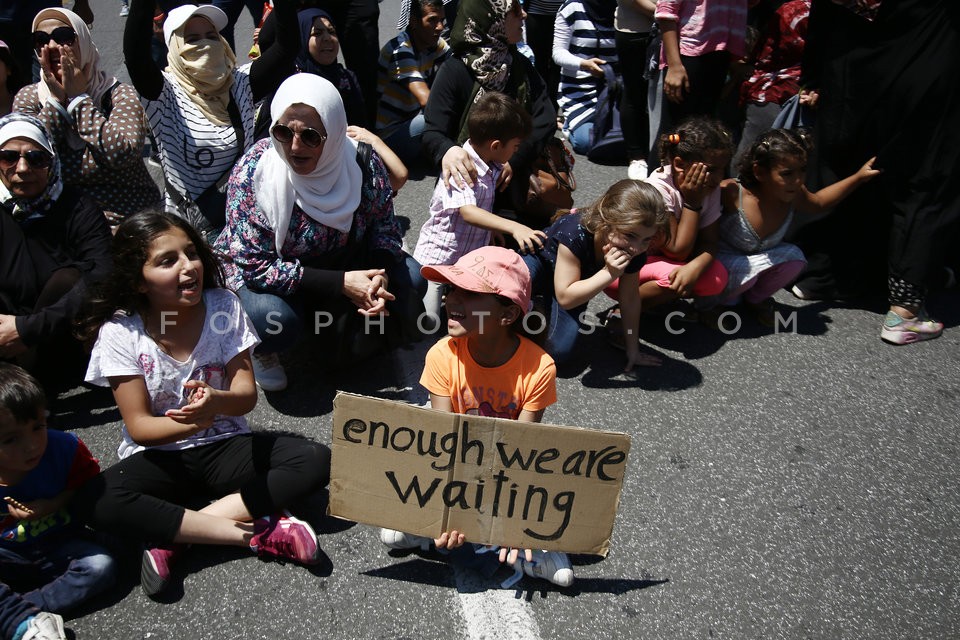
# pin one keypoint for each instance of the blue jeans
(405, 141)
(562, 324)
(14, 611)
(60, 573)
(580, 137)
(281, 320)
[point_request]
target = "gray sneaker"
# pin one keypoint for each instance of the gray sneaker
(45, 626)
(400, 540)
(268, 371)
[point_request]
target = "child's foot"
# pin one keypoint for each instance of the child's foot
(155, 568)
(400, 540)
(899, 330)
(44, 626)
(285, 537)
(548, 565)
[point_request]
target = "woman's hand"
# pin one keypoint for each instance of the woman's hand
(46, 68)
(616, 260)
(458, 165)
(361, 135)
(693, 184)
(201, 407)
(367, 290)
(676, 83)
(75, 77)
(593, 66)
(809, 98)
(506, 175)
(10, 343)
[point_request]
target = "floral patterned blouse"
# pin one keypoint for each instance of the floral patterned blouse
(247, 248)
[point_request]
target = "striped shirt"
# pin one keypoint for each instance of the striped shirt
(194, 152)
(446, 236)
(575, 38)
(400, 64)
(706, 26)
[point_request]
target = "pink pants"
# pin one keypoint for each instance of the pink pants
(768, 282)
(710, 283)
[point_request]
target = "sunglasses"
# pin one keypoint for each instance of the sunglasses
(36, 159)
(61, 35)
(310, 137)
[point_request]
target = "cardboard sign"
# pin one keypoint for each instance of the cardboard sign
(498, 481)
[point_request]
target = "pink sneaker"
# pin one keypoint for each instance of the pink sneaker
(285, 537)
(155, 568)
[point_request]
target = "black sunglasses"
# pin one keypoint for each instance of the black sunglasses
(36, 159)
(65, 36)
(310, 137)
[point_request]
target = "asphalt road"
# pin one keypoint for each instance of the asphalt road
(791, 485)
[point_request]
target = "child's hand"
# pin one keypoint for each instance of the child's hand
(449, 540)
(509, 554)
(34, 511)
(529, 239)
(200, 408)
(693, 184)
(682, 280)
(593, 66)
(867, 172)
(616, 260)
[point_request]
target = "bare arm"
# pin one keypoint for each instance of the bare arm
(528, 239)
(396, 170)
(133, 400)
(420, 91)
(831, 196)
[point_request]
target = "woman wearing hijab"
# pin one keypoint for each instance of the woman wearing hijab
(485, 58)
(584, 48)
(95, 121)
(201, 107)
(311, 239)
(53, 241)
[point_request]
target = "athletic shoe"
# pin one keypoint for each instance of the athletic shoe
(285, 537)
(900, 330)
(268, 372)
(155, 568)
(124, 10)
(400, 540)
(637, 170)
(45, 626)
(548, 565)
(802, 294)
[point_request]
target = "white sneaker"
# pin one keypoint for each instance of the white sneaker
(548, 565)
(124, 10)
(268, 372)
(45, 626)
(637, 170)
(400, 540)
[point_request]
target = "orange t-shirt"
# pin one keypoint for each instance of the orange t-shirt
(528, 380)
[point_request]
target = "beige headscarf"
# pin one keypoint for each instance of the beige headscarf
(205, 71)
(99, 82)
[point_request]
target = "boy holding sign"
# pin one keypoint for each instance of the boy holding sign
(484, 367)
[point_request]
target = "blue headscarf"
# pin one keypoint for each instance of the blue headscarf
(20, 125)
(305, 61)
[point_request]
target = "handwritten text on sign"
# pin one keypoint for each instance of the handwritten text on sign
(498, 481)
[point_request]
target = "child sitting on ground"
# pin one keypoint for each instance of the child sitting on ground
(460, 217)
(694, 158)
(483, 357)
(759, 207)
(48, 565)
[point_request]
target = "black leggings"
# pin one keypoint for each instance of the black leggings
(142, 496)
(706, 73)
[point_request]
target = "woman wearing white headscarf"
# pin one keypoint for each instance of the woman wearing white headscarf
(201, 108)
(53, 242)
(95, 121)
(311, 227)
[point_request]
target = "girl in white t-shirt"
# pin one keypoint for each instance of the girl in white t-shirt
(174, 346)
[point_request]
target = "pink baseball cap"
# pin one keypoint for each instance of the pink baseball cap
(487, 270)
